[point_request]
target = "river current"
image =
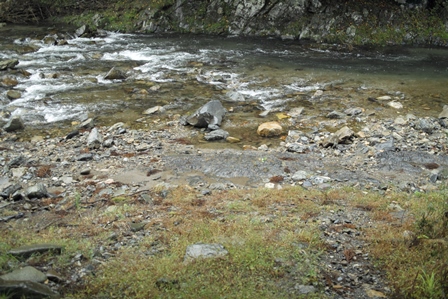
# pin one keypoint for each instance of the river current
(65, 83)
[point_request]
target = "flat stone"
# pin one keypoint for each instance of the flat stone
(201, 250)
(216, 135)
(13, 94)
(154, 110)
(27, 273)
(305, 289)
(37, 191)
(384, 98)
(28, 250)
(231, 139)
(85, 157)
(395, 105)
(27, 289)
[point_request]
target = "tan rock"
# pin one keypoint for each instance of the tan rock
(231, 139)
(269, 129)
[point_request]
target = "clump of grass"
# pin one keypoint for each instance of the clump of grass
(43, 171)
(418, 271)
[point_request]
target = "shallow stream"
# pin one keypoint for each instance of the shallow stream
(64, 84)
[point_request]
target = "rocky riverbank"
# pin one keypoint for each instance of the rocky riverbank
(368, 23)
(100, 164)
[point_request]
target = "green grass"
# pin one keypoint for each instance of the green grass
(272, 240)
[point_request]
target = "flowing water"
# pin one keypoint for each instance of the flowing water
(65, 83)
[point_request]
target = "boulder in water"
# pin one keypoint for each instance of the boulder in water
(208, 116)
(115, 74)
(8, 64)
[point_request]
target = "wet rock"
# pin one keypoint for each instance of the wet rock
(13, 95)
(210, 115)
(219, 134)
(83, 31)
(270, 129)
(87, 124)
(95, 139)
(235, 96)
(9, 81)
(27, 273)
(154, 110)
(201, 250)
(37, 191)
(28, 250)
(8, 64)
(296, 112)
(14, 124)
(335, 115)
(50, 40)
(27, 289)
(115, 74)
(395, 105)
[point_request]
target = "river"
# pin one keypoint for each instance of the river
(64, 84)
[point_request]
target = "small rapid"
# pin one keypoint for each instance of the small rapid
(63, 83)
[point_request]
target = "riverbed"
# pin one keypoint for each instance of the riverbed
(62, 84)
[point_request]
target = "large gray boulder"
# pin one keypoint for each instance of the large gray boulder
(208, 116)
